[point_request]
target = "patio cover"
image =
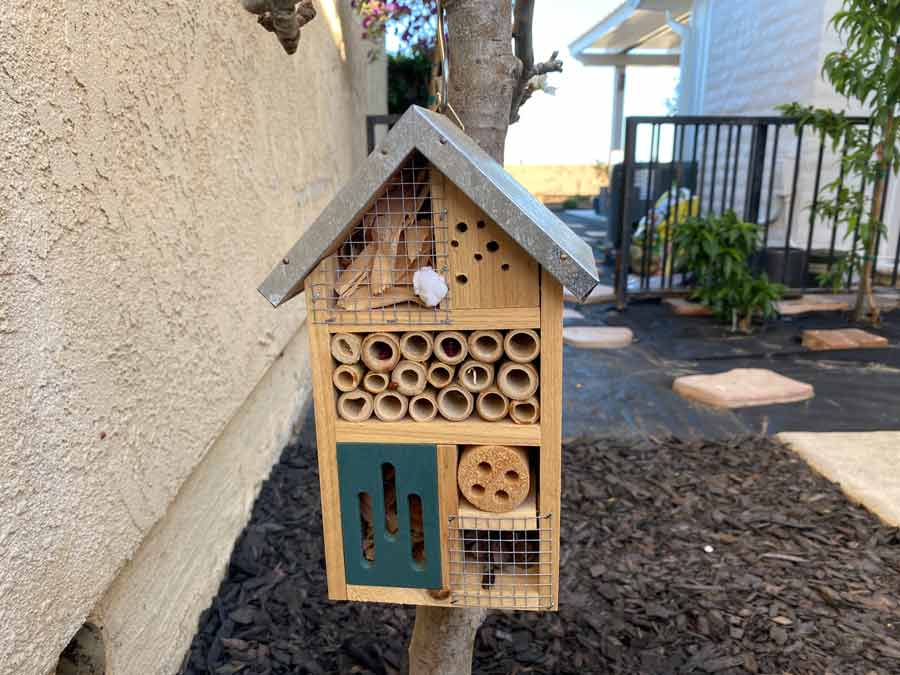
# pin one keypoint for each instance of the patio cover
(636, 33)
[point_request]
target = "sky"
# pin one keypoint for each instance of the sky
(574, 125)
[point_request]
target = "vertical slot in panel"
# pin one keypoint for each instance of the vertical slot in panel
(416, 531)
(400, 482)
(390, 498)
(367, 536)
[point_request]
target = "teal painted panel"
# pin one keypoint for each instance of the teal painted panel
(360, 470)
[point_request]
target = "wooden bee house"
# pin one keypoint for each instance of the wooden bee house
(434, 291)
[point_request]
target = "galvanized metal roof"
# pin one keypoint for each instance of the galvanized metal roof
(533, 226)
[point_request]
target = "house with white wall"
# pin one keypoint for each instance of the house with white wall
(737, 59)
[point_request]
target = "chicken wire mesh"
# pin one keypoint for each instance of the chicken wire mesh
(369, 280)
(502, 562)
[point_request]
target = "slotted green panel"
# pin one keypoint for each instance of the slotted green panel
(359, 470)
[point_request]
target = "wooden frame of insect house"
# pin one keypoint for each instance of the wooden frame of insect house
(434, 292)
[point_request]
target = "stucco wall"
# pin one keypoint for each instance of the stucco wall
(157, 159)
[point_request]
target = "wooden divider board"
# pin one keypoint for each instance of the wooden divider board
(551, 416)
(326, 444)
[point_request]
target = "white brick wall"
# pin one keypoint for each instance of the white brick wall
(752, 55)
(761, 53)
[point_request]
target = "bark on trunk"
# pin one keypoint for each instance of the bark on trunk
(483, 69)
(483, 74)
(443, 640)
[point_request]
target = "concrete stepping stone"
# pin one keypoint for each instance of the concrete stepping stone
(597, 337)
(865, 465)
(573, 314)
(741, 388)
(683, 307)
(600, 294)
(812, 303)
(842, 338)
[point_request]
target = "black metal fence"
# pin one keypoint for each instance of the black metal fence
(372, 123)
(760, 167)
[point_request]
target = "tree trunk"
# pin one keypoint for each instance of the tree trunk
(483, 69)
(483, 74)
(865, 300)
(443, 640)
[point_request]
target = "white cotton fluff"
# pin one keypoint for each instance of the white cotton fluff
(429, 286)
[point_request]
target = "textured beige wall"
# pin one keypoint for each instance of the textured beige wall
(149, 615)
(157, 158)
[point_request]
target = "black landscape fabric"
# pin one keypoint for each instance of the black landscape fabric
(677, 557)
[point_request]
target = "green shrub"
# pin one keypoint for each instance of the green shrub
(408, 78)
(717, 250)
(570, 203)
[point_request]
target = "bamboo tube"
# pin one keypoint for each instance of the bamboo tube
(476, 376)
(492, 405)
(380, 352)
(375, 383)
(494, 478)
(423, 408)
(440, 374)
(518, 381)
(416, 346)
(455, 403)
(525, 412)
(391, 406)
(450, 347)
(346, 348)
(348, 377)
(409, 378)
(522, 345)
(355, 406)
(486, 345)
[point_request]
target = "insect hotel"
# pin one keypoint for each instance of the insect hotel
(434, 291)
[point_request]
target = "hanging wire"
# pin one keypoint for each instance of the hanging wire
(442, 97)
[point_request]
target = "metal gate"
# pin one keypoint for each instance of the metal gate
(763, 168)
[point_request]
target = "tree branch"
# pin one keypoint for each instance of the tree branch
(285, 18)
(522, 32)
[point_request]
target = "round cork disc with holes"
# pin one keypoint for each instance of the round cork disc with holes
(494, 478)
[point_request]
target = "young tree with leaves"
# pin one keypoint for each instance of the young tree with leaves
(866, 70)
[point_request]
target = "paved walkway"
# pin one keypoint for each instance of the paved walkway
(629, 391)
(865, 465)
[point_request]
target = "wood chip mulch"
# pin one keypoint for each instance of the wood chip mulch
(677, 557)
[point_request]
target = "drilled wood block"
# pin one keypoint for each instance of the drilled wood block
(494, 478)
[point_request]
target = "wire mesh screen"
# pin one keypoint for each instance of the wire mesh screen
(370, 279)
(501, 562)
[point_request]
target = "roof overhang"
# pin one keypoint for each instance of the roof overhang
(636, 33)
(561, 252)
